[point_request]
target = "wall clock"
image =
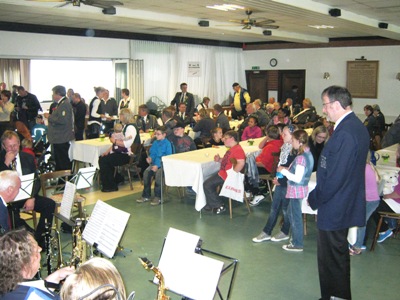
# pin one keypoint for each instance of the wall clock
(273, 62)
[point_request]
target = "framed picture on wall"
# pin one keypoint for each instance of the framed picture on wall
(362, 78)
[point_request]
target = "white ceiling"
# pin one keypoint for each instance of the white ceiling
(359, 18)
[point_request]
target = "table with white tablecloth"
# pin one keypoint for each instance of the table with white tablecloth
(194, 167)
(387, 156)
(88, 151)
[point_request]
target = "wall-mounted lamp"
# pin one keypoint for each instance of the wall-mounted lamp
(398, 76)
(327, 75)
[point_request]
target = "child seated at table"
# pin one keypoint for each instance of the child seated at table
(118, 136)
(216, 139)
(160, 147)
(252, 131)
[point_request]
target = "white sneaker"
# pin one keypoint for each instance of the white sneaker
(256, 200)
(280, 237)
(261, 237)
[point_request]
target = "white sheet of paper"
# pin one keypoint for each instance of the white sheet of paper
(25, 192)
(68, 200)
(393, 205)
(85, 177)
(105, 227)
(186, 272)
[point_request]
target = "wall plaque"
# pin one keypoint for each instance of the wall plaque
(362, 78)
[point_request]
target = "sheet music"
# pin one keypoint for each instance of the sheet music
(25, 192)
(105, 227)
(68, 200)
(185, 272)
(84, 177)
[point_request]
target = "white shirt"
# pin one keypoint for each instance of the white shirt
(341, 119)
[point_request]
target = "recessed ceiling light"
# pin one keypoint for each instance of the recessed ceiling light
(225, 7)
(321, 26)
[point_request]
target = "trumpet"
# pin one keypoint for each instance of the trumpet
(148, 265)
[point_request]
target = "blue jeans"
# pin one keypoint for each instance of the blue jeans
(147, 177)
(278, 201)
(370, 208)
(296, 222)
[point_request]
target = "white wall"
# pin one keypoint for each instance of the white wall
(36, 45)
(333, 60)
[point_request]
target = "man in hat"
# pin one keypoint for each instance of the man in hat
(181, 141)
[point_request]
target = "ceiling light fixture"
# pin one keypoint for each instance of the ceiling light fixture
(321, 26)
(225, 7)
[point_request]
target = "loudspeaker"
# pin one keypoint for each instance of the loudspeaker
(204, 23)
(335, 12)
(267, 32)
(109, 10)
(383, 25)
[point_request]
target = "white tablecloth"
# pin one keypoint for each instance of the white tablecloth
(194, 167)
(88, 151)
(391, 161)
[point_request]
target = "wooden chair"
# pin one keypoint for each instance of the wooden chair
(136, 150)
(245, 199)
(389, 215)
(59, 178)
(269, 177)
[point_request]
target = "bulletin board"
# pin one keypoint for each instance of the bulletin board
(362, 78)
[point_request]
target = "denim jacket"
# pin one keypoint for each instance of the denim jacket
(308, 169)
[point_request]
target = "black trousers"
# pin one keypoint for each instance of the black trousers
(45, 206)
(334, 264)
(61, 158)
(107, 164)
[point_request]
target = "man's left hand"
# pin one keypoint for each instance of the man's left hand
(29, 204)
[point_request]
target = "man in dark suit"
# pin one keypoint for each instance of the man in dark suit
(340, 192)
(9, 188)
(145, 122)
(186, 98)
(182, 116)
(13, 159)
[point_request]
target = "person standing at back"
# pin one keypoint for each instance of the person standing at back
(79, 109)
(340, 192)
(184, 97)
(27, 106)
(61, 128)
(240, 100)
(95, 114)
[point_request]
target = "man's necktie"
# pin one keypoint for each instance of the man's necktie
(143, 124)
(14, 165)
(183, 97)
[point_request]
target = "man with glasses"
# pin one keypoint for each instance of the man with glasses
(11, 158)
(340, 192)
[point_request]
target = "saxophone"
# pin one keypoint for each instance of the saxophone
(148, 265)
(78, 245)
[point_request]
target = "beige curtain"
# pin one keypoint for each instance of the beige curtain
(10, 72)
(137, 81)
(25, 65)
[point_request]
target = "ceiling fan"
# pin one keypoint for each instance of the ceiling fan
(95, 3)
(248, 23)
